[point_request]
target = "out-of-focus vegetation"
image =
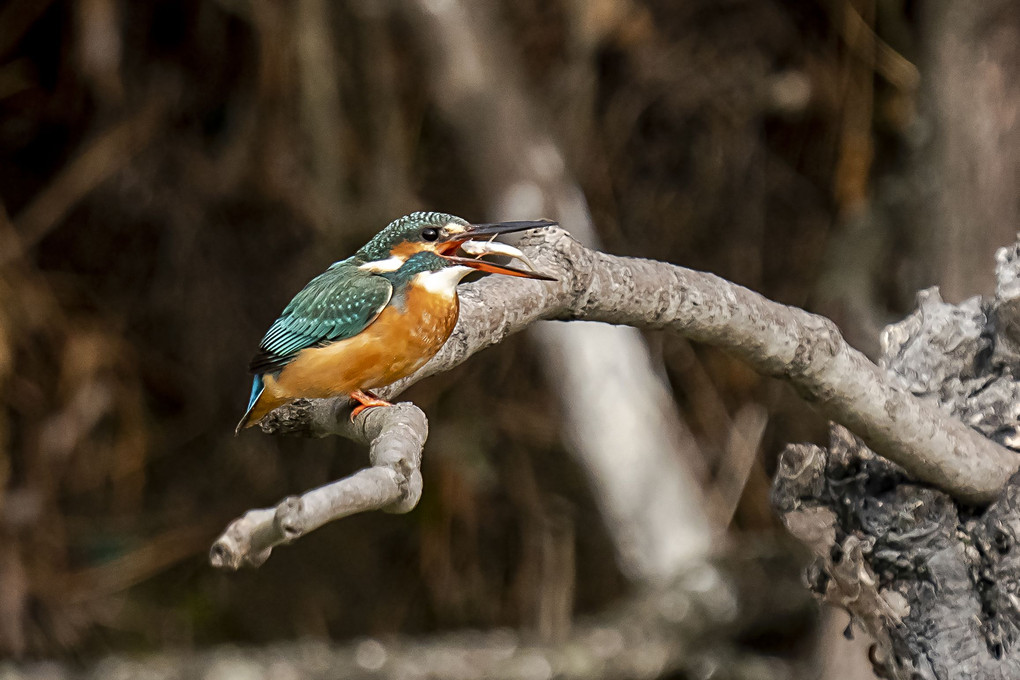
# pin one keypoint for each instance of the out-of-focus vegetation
(172, 172)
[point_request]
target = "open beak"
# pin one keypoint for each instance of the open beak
(485, 266)
(477, 240)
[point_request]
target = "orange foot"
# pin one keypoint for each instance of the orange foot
(367, 400)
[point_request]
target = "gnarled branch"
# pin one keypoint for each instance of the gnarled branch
(802, 348)
(395, 436)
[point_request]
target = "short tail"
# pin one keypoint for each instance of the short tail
(257, 388)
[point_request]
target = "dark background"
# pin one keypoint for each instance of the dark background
(172, 172)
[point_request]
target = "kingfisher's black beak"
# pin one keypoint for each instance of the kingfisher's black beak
(484, 232)
(480, 231)
(484, 266)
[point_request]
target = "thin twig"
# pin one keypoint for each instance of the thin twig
(393, 483)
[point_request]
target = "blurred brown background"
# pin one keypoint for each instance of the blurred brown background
(172, 172)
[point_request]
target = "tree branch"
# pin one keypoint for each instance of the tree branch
(395, 436)
(804, 349)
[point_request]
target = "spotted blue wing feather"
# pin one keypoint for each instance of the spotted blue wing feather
(337, 304)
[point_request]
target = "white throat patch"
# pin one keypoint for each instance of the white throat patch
(443, 282)
(390, 264)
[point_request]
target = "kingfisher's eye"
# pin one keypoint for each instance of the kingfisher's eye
(430, 234)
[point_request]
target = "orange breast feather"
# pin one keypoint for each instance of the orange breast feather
(392, 347)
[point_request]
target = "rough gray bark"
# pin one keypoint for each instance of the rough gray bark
(934, 580)
(804, 349)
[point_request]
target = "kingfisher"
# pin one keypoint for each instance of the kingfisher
(379, 315)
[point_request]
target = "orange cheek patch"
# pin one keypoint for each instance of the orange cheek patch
(407, 249)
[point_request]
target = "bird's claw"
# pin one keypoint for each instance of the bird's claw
(365, 400)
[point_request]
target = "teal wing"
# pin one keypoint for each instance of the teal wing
(339, 303)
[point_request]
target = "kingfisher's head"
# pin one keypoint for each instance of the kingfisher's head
(439, 234)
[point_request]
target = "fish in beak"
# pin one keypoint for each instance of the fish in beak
(469, 242)
(481, 248)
